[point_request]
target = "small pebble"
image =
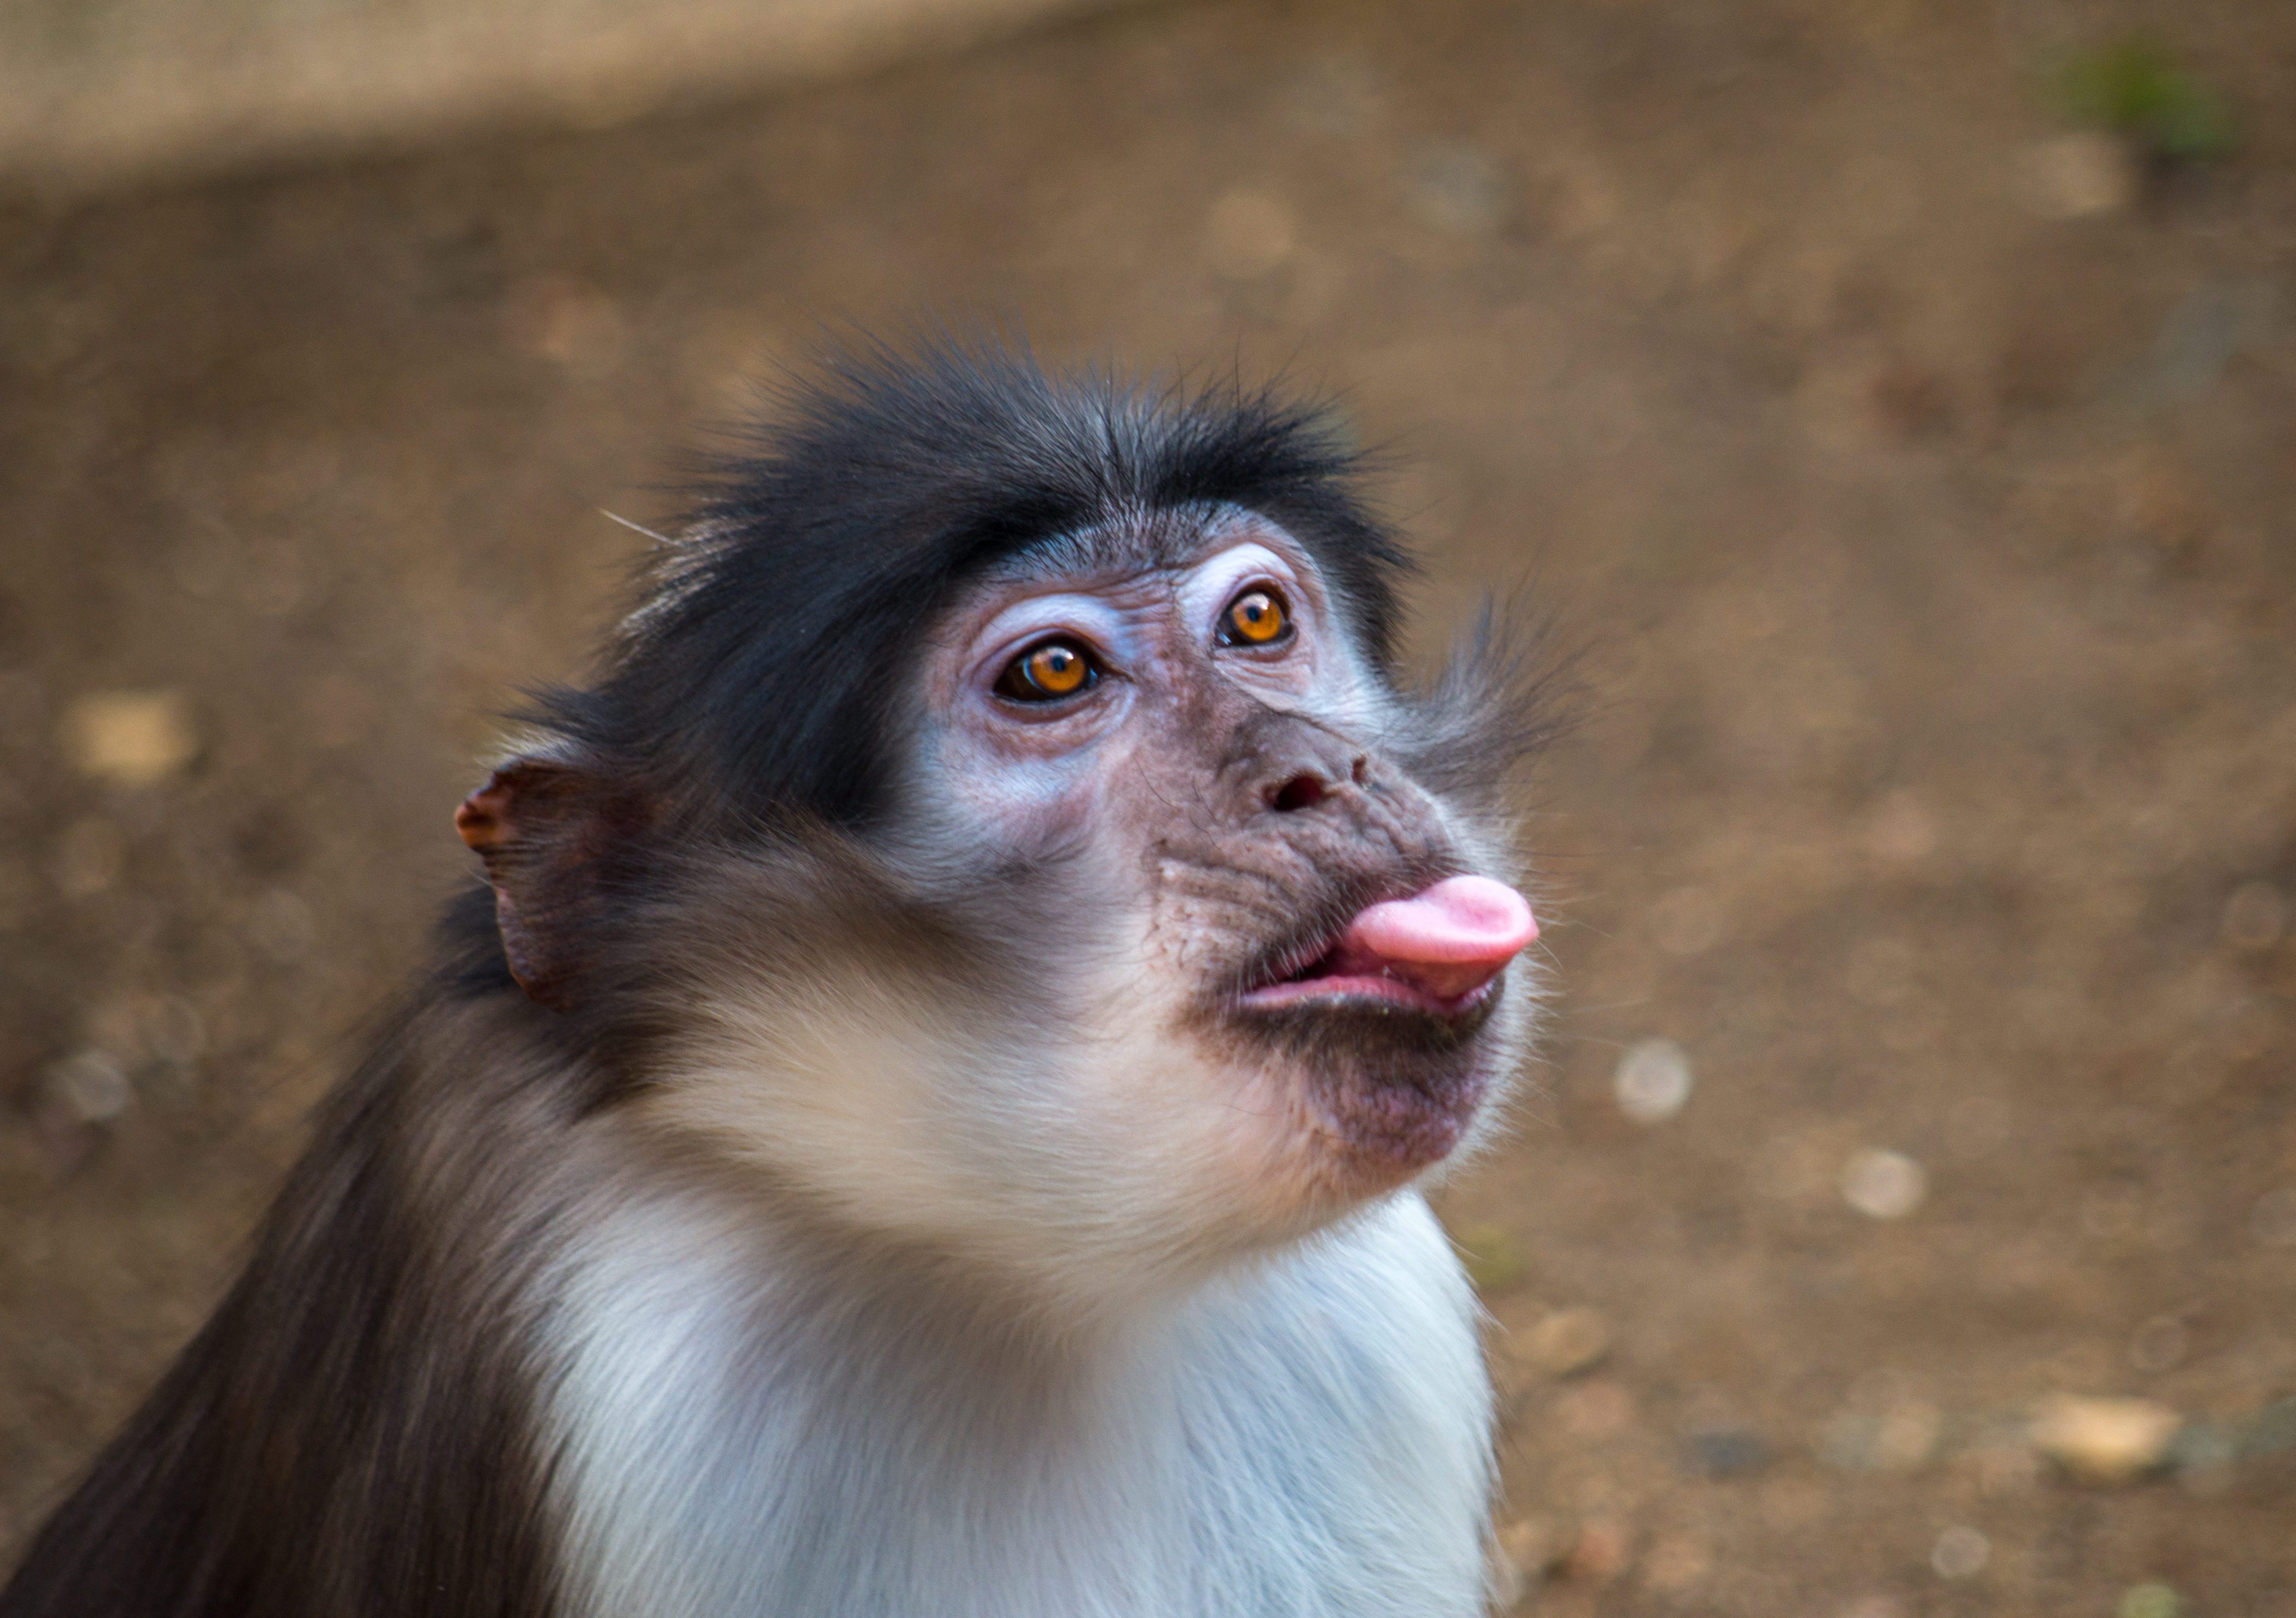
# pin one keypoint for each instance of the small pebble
(1248, 234)
(2204, 1454)
(2271, 1430)
(1601, 1551)
(1908, 1436)
(1849, 1442)
(2148, 1600)
(1720, 1452)
(566, 321)
(130, 738)
(1535, 1546)
(1566, 1341)
(1900, 1439)
(2106, 1440)
(1459, 189)
(2077, 177)
(2206, 331)
(1653, 1082)
(1884, 1185)
(90, 1086)
(1960, 1552)
(1595, 1408)
(1874, 1607)
(280, 924)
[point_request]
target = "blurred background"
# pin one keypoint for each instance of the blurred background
(1898, 396)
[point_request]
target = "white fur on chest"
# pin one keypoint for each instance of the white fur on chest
(1308, 1437)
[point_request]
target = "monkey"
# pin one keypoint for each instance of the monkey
(927, 1102)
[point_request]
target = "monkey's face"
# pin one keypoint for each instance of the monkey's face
(1268, 968)
(1087, 901)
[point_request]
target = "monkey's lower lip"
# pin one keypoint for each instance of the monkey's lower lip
(1440, 952)
(1359, 989)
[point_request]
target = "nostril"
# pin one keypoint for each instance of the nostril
(1300, 792)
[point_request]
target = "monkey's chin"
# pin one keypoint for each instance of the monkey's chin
(1392, 1083)
(1388, 1132)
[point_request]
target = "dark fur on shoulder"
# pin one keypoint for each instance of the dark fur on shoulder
(364, 1372)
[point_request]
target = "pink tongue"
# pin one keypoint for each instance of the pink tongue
(1449, 940)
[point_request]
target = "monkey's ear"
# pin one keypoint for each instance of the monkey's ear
(553, 833)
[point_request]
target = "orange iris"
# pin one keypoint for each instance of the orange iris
(1058, 668)
(1256, 618)
(1046, 672)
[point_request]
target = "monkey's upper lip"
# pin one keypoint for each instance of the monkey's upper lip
(1438, 950)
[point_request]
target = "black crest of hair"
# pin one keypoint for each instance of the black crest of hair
(759, 664)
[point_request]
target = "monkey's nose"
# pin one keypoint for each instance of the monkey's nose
(1309, 787)
(1301, 792)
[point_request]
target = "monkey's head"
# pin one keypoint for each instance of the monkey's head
(1001, 830)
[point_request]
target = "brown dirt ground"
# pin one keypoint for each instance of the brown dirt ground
(1938, 560)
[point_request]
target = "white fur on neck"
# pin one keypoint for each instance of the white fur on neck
(740, 1430)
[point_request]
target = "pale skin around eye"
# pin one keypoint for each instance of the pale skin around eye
(1015, 770)
(1025, 644)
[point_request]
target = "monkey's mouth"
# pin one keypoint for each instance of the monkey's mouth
(1383, 1019)
(1440, 953)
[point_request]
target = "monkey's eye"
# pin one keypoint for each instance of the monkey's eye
(1257, 618)
(1049, 671)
